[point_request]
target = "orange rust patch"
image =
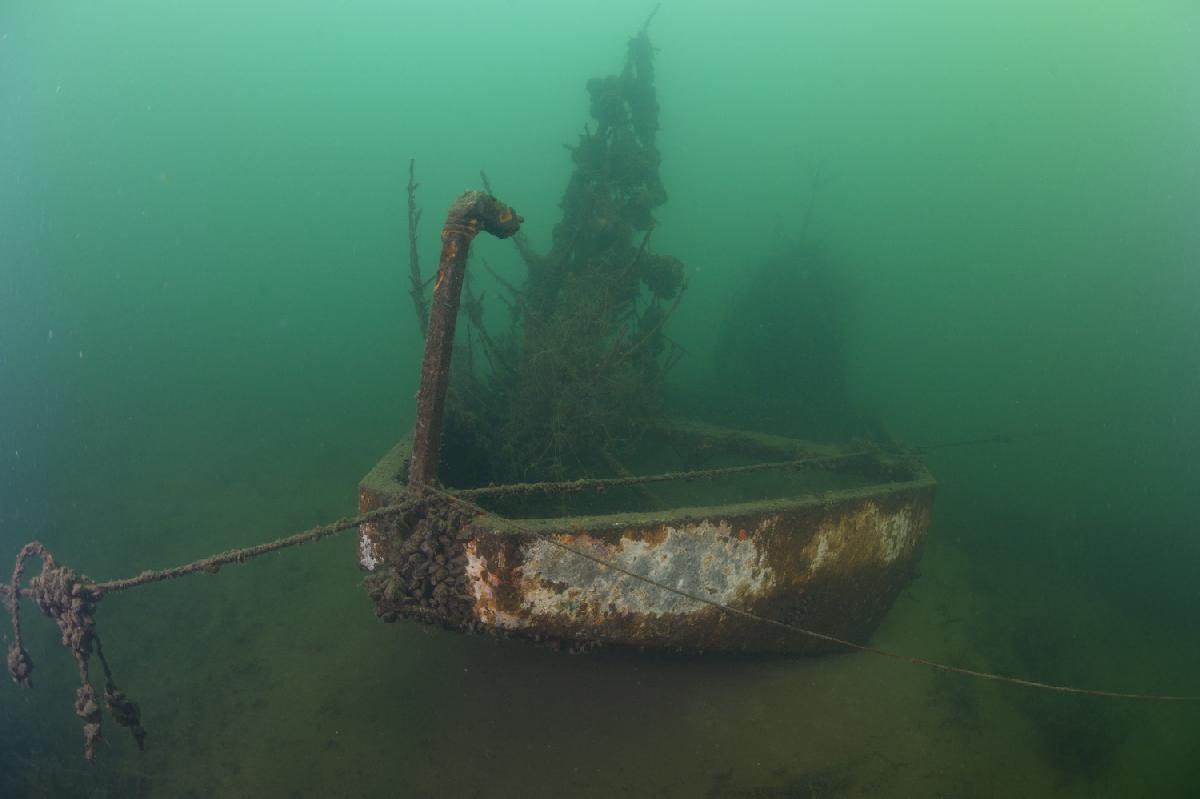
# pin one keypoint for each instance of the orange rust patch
(653, 537)
(367, 501)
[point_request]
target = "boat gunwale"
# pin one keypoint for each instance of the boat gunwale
(386, 478)
(557, 525)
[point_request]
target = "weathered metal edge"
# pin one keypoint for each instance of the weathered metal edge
(558, 524)
(387, 476)
(749, 442)
(387, 479)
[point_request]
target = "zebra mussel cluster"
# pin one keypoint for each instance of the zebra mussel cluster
(426, 578)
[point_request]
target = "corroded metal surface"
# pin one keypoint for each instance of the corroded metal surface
(833, 563)
(832, 567)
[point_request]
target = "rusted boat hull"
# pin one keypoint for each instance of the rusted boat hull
(833, 562)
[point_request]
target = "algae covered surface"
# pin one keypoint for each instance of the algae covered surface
(943, 222)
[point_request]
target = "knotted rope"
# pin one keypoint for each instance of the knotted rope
(71, 599)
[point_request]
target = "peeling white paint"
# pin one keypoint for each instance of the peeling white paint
(828, 542)
(896, 533)
(368, 556)
(705, 560)
(709, 560)
(888, 536)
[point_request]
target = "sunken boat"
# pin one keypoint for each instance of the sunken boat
(560, 502)
(815, 536)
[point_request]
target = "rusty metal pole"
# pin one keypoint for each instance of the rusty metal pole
(472, 212)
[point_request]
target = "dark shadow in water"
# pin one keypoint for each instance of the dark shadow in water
(780, 362)
(958, 697)
(1078, 737)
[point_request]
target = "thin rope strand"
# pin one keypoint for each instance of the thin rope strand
(213, 563)
(917, 661)
(234, 556)
(603, 483)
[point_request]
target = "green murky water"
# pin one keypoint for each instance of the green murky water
(205, 342)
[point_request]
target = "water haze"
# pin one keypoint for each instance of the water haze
(205, 342)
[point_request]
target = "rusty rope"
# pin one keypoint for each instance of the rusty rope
(71, 599)
(916, 661)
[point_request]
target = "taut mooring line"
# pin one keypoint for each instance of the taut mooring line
(71, 599)
(932, 664)
(603, 483)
